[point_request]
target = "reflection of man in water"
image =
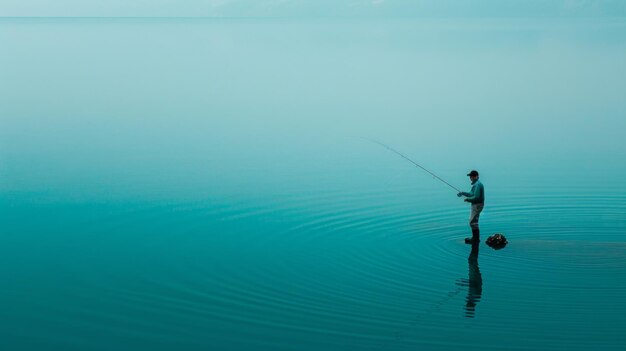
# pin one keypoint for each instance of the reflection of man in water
(476, 197)
(474, 283)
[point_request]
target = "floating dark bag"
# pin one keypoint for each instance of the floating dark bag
(496, 241)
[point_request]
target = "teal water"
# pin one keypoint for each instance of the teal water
(203, 184)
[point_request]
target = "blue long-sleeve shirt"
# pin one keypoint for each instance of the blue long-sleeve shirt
(477, 194)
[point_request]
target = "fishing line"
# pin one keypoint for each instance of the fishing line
(413, 162)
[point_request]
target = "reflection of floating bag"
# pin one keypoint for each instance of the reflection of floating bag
(497, 241)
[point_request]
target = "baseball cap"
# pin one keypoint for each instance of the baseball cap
(472, 174)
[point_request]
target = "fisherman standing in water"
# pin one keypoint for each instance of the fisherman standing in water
(476, 197)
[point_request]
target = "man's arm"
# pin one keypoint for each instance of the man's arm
(463, 193)
(476, 195)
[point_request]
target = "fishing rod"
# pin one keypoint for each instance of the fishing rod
(413, 162)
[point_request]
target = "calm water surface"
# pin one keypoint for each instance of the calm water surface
(203, 184)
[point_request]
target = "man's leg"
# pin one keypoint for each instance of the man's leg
(474, 216)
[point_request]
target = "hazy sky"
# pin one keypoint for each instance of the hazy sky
(263, 8)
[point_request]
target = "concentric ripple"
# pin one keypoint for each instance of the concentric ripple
(373, 269)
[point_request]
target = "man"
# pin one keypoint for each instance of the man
(476, 197)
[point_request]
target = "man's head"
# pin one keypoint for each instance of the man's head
(473, 175)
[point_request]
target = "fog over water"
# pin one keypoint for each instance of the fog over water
(178, 100)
